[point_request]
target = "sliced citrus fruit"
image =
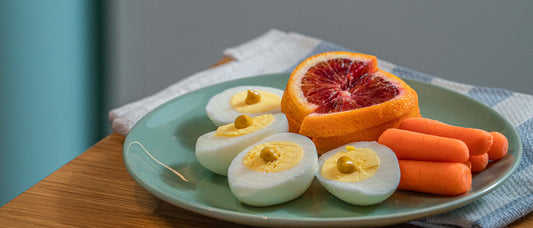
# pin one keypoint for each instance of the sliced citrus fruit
(384, 98)
(338, 93)
(324, 144)
(319, 76)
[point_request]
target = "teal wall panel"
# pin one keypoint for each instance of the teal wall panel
(47, 89)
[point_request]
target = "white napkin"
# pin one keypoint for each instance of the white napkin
(272, 52)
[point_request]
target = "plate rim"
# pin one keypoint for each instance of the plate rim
(254, 219)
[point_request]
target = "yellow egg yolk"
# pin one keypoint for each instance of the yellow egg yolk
(366, 164)
(288, 155)
(268, 102)
(258, 123)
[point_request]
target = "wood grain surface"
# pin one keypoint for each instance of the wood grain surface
(95, 190)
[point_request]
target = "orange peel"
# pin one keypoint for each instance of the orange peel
(324, 144)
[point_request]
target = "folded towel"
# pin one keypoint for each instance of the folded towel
(277, 51)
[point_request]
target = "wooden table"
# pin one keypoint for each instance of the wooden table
(95, 189)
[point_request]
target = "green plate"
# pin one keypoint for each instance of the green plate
(159, 155)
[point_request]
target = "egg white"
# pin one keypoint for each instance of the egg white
(216, 152)
(219, 108)
(373, 190)
(264, 189)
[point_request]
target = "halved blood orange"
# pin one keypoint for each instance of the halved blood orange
(381, 97)
(338, 93)
(318, 76)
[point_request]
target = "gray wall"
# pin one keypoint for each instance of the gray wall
(485, 43)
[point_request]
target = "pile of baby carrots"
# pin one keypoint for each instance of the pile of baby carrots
(439, 158)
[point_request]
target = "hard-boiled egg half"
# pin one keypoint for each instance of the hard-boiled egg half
(360, 173)
(274, 170)
(225, 106)
(216, 149)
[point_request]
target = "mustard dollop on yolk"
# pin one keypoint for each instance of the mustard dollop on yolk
(366, 165)
(258, 123)
(268, 102)
(288, 154)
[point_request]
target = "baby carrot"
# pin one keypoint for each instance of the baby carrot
(477, 140)
(499, 146)
(412, 145)
(442, 178)
(479, 162)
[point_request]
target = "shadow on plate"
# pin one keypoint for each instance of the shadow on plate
(188, 131)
